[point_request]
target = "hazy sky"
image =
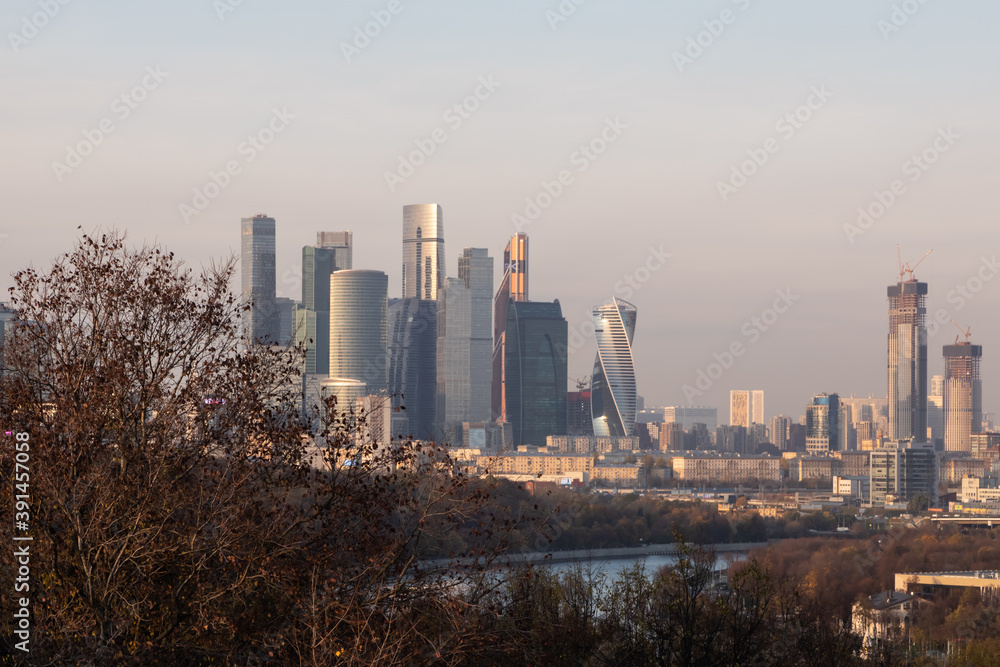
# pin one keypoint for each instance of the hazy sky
(886, 81)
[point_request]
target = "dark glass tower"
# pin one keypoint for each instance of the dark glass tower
(823, 423)
(257, 261)
(332, 252)
(413, 334)
(513, 289)
(907, 361)
(535, 371)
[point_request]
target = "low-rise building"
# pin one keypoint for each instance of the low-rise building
(884, 617)
(725, 469)
(538, 462)
(854, 486)
(953, 470)
(801, 468)
(618, 474)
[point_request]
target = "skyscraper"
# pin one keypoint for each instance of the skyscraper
(413, 363)
(534, 366)
(333, 252)
(423, 251)
(739, 408)
(757, 405)
(823, 424)
(935, 409)
(907, 360)
(963, 395)
(513, 289)
(358, 327)
(465, 345)
(257, 261)
(613, 390)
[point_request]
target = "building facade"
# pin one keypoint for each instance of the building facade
(412, 364)
(534, 370)
(359, 306)
(513, 289)
(257, 261)
(333, 252)
(613, 389)
(963, 395)
(465, 345)
(907, 360)
(823, 424)
(423, 251)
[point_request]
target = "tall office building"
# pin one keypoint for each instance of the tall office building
(257, 261)
(423, 251)
(746, 407)
(935, 409)
(513, 289)
(757, 406)
(333, 252)
(358, 327)
(534, 367)
(963, 395)
(613, 391)
(779, 432)
(412, 359)
(907, 360)
(823, 424)
(900, 470)
(465, 345)
(739, 408)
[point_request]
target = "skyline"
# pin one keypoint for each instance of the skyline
(654, 192)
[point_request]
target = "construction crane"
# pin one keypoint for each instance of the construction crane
(906, 268)
(582, 384)
(965, 332)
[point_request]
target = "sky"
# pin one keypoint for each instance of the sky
(708, 161)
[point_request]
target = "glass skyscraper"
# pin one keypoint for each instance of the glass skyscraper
(413, 334)
(513, 289)
(823, 424)
(963, 395)
(907, 361)
(423, 251)
(332, 252)
(613, 392)
(358, 327)
(534, 361)
(257, 261)
(465, 345)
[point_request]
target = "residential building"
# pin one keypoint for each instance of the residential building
(716, 468)
(963, 395)
(823, 424)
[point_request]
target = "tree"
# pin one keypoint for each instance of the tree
(184, 512)
(918, 503)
